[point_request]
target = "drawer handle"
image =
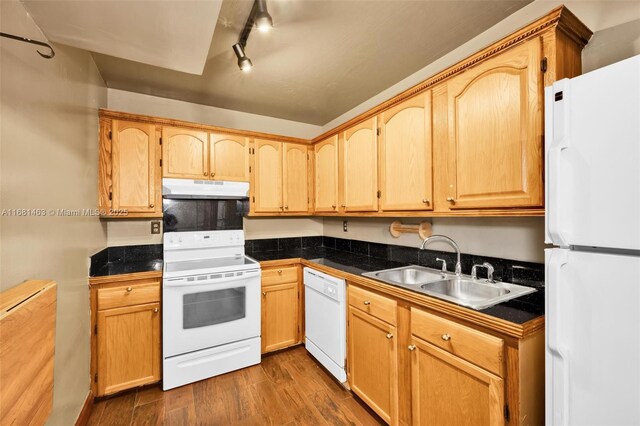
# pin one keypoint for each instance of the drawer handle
(367, 302)
(389, 336)
(155, 310)
(129, 289)
(446, 337)
(412, 348)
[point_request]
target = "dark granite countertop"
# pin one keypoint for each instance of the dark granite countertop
(126, 260)
(518, 311)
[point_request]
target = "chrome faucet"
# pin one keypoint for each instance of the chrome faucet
(490, 270)
(445, 239)
(444, 264)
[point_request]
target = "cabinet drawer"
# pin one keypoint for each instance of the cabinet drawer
(482, 349)
(128, 295)
(374, 304)
(280, 275)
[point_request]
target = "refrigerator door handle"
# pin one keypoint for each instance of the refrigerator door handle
(557, 355)
(558, 131)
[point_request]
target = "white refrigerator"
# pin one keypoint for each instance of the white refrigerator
(592, 152)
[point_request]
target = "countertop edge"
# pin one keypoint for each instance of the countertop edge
(105, 279)
(511, 329)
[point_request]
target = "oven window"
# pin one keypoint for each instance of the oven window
(213, 307)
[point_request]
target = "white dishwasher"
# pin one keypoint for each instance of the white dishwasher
(325, 313)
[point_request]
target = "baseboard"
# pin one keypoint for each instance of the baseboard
(85, 413)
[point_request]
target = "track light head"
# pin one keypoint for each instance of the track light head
(262, 19)
(244, 63)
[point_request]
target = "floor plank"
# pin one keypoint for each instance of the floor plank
(287, 388)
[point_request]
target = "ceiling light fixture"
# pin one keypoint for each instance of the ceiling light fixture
(244, 62)
(260, 18)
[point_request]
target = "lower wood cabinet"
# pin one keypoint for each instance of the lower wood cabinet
(126, 344)
(373, 368)
(281, 313)
(449, 390)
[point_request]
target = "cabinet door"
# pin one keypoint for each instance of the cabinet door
(405, 155)
(496, 132)
(295, 178)
(229, 157)
(185, 153)
(326, 175)
(373, 369)
(133, 166)
(279, 316)
(448, 390)
(360, 167)
(268, 176)
(128, 347)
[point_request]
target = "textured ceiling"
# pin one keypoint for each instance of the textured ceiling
(321, 59)
(172, 34)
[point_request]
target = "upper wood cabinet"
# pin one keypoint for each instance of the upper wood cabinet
(295, 178)
(280, 178)
(268, 177)
(405, 155)
(496, 131)
(360, 167)
(185, 153)
(228, 157)
(134, 166)
(326, 175)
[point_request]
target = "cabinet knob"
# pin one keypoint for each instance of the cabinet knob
(155, 310)
(425, 201)
(446, 337)
(333, 206)
(343, 205)
(367, 302)
(389, 336)
(280, 271)
(412, 348)
(129, 289)
(205, 173)
(151, 205)
(281, 208)
(286, 207)
(264, 293)
(451, 199)
(212, 174)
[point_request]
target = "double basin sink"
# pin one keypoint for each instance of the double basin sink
(462, 289)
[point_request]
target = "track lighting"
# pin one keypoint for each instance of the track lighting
(262, 19)
(259, 17)
(244, 62)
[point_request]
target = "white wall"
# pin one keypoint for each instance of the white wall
(138, 103)
(49, 159)
(257, 228)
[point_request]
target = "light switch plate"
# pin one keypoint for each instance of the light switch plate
(155, 226)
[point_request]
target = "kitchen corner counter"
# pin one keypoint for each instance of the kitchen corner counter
(125, 263)
(518, 317)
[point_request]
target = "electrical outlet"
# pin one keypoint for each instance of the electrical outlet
(345, 226)
(155, 227)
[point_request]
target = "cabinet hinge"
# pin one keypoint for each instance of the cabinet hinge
(249, 169)
(95, 378)
(95, 329)
(506, 412)
(110, 195)
(253, 199)
(161, 141)
(378, 131)
(110, 134)
(161, 162)
(543, 65)
(379, 194)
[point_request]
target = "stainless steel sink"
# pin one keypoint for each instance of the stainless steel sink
(463, 290)
(407, 275)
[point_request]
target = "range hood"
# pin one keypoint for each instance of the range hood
(204, 189)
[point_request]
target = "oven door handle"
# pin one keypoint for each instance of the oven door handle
(179, 282)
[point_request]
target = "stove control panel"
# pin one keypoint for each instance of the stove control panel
(202, 239)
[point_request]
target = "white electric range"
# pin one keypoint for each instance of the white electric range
(210, 293)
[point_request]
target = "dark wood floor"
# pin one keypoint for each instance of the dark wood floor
(287, 388)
